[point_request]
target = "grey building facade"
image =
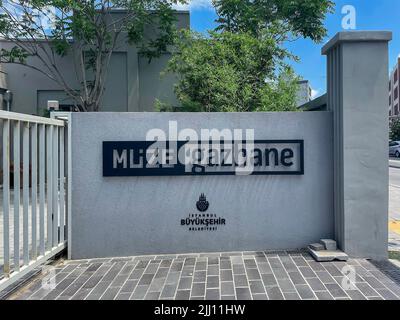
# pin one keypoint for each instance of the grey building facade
(133, 83)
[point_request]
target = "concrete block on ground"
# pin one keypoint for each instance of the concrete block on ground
(329, 244)
(326, 255)
(317, 246)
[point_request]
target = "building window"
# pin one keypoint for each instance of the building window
(390, 85)
(390, 100)
(396, 94)
(395, 77)
(396, 110)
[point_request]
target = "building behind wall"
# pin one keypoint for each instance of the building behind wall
(133, 83)
(394, 92)
(304, 93)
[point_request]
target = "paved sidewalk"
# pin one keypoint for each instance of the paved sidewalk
(241, 275)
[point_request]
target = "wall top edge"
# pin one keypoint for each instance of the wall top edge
(356, 36)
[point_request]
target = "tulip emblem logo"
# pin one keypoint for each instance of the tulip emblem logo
(202, 205)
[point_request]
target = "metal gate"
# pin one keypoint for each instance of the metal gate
(33, 217)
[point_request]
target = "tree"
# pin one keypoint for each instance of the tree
(296, 18)
(395, 130)
(243, 65)
(89, 30)
(230, 72)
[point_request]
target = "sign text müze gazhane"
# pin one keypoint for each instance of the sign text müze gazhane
(171, 158)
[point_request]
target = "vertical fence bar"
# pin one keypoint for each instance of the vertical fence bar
(55, 186)
(42, 190)
(16, 174)
(34, 189)
(6, 197)
(25, 191)
(49, 181)
(62, 190)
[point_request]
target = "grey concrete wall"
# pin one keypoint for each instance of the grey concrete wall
(357, 95)
(141, 215)
(132, 84)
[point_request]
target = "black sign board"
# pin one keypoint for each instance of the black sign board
(149, 158)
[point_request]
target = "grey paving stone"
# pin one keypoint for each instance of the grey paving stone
(250, 264)
(190, 261)
(333, 270)
(173, 278)
(200, 276)
(197, 298)
(264, 268)
(226, 275)
(387, 295)
(374, 283)
(291, 296)
(300, 261)
(307, 272)
(161, 273)
(139, 293)
(212, 294)
(316, 284)
(227, 289)
(157, 285)
(230, 298)
(269, 280)
(274, 293)
(182, 295)
(129, 286)
(325, 277)
(280, 273)
(187, 271)
(323, 295)
(355, 295)
(201, 266)
(198, 290)
(212, 282)
(213, 260)
(136, 274)
(110, 294)
(168, 291)
(297, 278)
(165, 263)
(260, 296)
(123, 296)
(225, 265)
(81, 294)
(305, 292)
(335, 290)
(253, 274)
(237, 260)
(256, 287)
(238, 269)
(185, 284)
(152, 296)
(367, 290)
(240, 281)
(213, 270)
(176, 266)
(146, 279)
(286, 285)
(243, 294)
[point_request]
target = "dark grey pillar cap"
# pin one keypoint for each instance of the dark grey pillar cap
(357, 36)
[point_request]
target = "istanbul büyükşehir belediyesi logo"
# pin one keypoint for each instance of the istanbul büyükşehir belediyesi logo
(202, 205)
(203, 221)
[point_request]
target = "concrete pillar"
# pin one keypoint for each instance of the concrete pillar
(357, 95)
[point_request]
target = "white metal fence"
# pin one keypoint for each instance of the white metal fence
(33, 210)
